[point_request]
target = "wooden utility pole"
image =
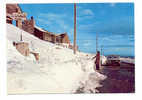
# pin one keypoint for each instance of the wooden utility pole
(21, 38)
(96, 42)
(101, 50)
(101, 54)
(74, 45)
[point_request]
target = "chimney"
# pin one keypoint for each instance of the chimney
(32, 20)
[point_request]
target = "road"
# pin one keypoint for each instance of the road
(120, 79)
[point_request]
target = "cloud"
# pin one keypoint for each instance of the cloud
(40, 20)
(106, 39)
(88, 12)
(118, 46)
(84, 13)
(52, 16)
(88, 26)
(55, 22)
(112, 4)
(87, 44)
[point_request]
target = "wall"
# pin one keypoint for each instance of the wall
(61, 38)
(39, 33)
(47, 37)
(65, 39)
(10, 9)
(28, 25)
(23, 48)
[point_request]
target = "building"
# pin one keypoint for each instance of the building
(51, 37)
(14, 13)
(28, 25)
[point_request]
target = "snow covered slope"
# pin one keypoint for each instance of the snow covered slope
(57, 71)
(128, 60)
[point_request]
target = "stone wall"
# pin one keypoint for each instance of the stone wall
(56, 38)
(11, 9)
(22, 47)
(28, 25)
(65, 38)
(38, 33)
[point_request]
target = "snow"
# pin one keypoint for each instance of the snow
(39, 28)
(128, 60)
(57, 71)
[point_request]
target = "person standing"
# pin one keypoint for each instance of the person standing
(97, 61)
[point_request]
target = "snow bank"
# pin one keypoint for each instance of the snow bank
(57, 71)
(128, 60)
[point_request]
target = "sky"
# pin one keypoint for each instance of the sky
(112, 22)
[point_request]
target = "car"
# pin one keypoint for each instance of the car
(113, 60)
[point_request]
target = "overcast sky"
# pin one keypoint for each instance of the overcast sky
(113, 22)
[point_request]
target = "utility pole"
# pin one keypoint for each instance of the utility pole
(101, 54)
(21, 39)
(74, 29)
(101, 49)
(96, 42)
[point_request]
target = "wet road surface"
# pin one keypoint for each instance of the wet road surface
(120, 79)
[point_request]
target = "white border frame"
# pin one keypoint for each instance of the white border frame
(138, 55)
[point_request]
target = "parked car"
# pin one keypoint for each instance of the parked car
(113, 60)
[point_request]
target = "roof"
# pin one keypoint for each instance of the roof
(61, 34)
(40, 28)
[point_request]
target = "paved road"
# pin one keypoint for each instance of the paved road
(120, 79)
